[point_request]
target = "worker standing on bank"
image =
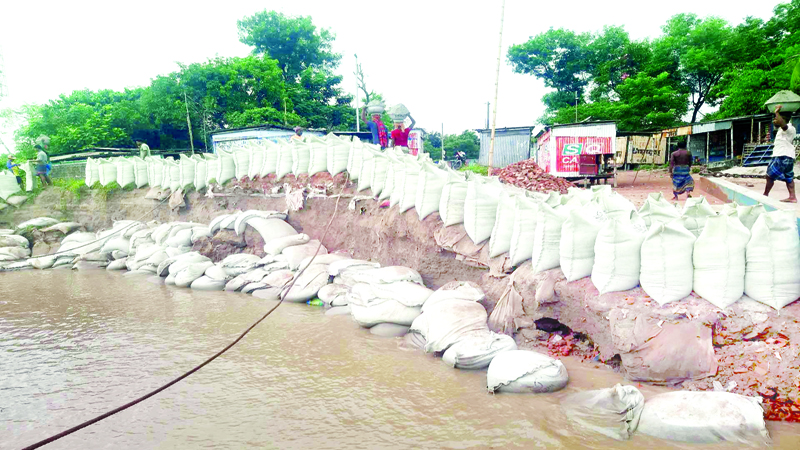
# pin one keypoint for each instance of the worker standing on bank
(297, 136)
(400, 135)
(14, 168)
(783, 154)
(680, 165)
(144, 149)
(379, 134)
(42, 161)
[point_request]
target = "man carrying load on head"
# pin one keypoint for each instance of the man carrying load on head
(680, 165)
(379, 134)
(783, 154)
(400, 135)
(42, 163)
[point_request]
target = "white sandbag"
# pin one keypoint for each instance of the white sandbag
(118, 264)
(107, 172)
(187, 170)
(199, 233)
(277, 245)
(336, 267)
(410, 184)
(447, 321)
(614, 205)
(462, 290)
(117, 243)
(307, 285)
(772, 270)
(696, 211)
(355, 159)
(612, 412)
(454, 195)
(500, 239)
(365, 176)
(241, 220)
(398, 174)
(13, 240)
(334, 294)
(477, 350)
(8, 185)
(165, 267)
(317, 156)
(388, 330)
(748, 214)
(578, 236)
(546, 243)
(185, 277)
(301, 157)
(217, 273)
(270, 229)
(270, 158)
(125, 173)
(13, 253)
(480, 208)
(429, 190)
(385, 311)
(227, 167)
(388, 185)
(318, 260)
(182, 238)
(212, 172)
(379, 164)
(238, 264)
(666, 265)
(389, 274)
(523, 230)
(241, 162)
(279, 278)
(705, 417)
(200, 172)
(617, 256)
(140, 176)
(525, 371)
(657, 209)
(206, 283)
(155, 171)
(92, 173)
(404, 292)
(256, 163)
(284, 162)
(46, 262)
(719, 260)
(338, 153)
(172, 175)
(297, 253)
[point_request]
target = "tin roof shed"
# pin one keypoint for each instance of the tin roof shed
(510, 145)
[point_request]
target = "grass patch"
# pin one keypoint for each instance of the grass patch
(475, 168)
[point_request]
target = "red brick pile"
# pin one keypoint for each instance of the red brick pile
(528, 175)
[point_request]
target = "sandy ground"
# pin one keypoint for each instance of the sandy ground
(636, 186)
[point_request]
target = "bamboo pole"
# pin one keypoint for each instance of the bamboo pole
(496, 87)
(188, 122)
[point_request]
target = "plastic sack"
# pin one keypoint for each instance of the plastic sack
(454, 194)
(525, 371)
(772, 269)
(307, 285)
(578, 236)
(547, 238)
(270, 229)
(614, 205)
(480, 208)
(398, 174)
(704, 418)
(270, 163)
(206, 283)
(429, 189)
(125, 173)
(523, 230)
(365, 177)
(389, 183)
(297, 253)
(696, 211)
(155, 171)
(318, 156)
(140, 175)
(200, 173)
(187, 168)
(355, 160)
(477, 350)
(500, 239)
(227, 167)
(285, 162)
(612, 412)
(410, 184)
(256, 160)
(241, 162)
(666, 271)
(212, 168)
(379, 165)
(107, 172)
(338, 152)
(617, 256)
(656, 209)
(301, 157)
(719, 261)
(447, 321)
(92, 172)
(277, 245)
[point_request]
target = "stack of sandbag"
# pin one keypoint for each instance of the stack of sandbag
(453, 322)
(772, 269)
(657, 209)
(13, 248)
(525, 371)
(392, 294)
(747, 214)
(705, 418)
(578, 237)
(666, 264)
(719, 260)
(696, 212)
(613, 412)
(480, 207)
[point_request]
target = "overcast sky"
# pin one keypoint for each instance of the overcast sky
(438, 57)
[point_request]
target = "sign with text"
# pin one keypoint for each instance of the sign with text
(570, 148)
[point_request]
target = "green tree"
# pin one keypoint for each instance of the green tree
(294, 41)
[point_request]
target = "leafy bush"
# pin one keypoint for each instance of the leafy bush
(475, 168)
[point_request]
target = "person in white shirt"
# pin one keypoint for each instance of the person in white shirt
(783, 154)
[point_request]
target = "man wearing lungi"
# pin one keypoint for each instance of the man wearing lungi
(783, 154)
(680, 165)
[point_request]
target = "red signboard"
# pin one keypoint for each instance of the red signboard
(569, 149)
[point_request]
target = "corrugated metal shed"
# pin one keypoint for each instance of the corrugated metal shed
(510, 145)
(594, 129)
(711, 126)
(228, 139)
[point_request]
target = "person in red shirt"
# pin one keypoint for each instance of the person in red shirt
(400, 135)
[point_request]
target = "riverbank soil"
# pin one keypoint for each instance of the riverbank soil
(748, 348)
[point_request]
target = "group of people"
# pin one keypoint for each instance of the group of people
(380, 136)
(781, 168)
(42, 166)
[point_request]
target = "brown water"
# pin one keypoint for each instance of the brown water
(76, 344)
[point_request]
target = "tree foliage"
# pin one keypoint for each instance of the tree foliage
(694, 64)
(466, 142)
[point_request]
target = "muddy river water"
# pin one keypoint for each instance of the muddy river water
(76, 344)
